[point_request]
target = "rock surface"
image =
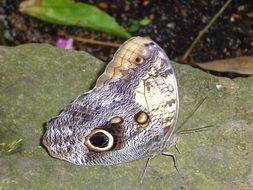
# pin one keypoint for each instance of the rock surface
(37, 81)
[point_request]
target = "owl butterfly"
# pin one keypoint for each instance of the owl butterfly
(130, 113)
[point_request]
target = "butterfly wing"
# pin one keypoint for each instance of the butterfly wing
(143, 68)
(133, 106)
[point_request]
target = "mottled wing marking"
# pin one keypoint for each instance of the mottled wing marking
(155, 89)
(151, 84)
(123, 61)
(158, 95)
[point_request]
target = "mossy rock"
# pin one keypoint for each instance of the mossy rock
(38, 81)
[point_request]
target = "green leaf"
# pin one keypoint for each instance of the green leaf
(145, 22)
(134, 27)
(67, 12)
(136, 24)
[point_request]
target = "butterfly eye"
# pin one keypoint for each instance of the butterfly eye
(116, 120)
(139, 60)
(142, 118)
(99, 140)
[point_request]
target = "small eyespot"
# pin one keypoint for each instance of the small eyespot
(139, 60)
(116, 120)
(142, 118)
(99, 140)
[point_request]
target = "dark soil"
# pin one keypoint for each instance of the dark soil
(175, 23)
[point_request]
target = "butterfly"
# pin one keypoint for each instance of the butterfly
(131, 112)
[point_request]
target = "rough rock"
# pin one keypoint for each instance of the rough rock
(38, 81)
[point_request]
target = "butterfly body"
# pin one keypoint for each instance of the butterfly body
(129, 114)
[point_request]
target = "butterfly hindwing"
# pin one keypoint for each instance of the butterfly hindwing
(133, 107)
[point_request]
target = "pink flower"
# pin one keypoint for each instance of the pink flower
(65, 43)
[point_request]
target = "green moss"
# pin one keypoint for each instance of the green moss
(8, 148)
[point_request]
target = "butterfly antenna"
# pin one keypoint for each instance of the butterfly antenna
(145, 170)
(193, 130)
(191, 114)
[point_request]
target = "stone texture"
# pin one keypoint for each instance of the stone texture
(37, 81)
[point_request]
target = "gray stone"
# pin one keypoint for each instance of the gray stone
(37, 81)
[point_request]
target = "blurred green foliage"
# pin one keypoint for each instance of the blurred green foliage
(67, 12)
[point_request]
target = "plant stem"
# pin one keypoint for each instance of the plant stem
(97, 42)
(204, 30)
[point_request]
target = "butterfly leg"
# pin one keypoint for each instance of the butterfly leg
(145, 170)
(173, 158)
(176, 147)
